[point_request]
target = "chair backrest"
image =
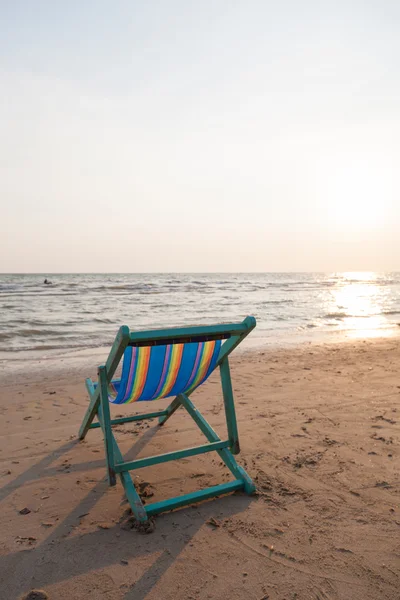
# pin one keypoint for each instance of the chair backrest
(166, 362)
(152, 372)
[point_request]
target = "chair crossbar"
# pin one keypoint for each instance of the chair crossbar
(179, 333)
(153, 415)
(181, 340)
(161, 458)
(186, 499)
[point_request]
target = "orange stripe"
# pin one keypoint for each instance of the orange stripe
(141, 373)
(176, 359)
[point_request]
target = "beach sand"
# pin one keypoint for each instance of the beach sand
(320, 434)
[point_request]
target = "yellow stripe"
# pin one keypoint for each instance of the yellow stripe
(141, 373)
(173, 370)
(204, 364)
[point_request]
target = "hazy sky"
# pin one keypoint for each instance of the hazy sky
(199, 136)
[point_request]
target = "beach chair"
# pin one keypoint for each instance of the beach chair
(161, 364)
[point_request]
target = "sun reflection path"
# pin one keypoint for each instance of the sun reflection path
(358, 302)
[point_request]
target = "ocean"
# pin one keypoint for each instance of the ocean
(80, 311)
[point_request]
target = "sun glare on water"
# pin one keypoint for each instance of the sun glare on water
(358, 300)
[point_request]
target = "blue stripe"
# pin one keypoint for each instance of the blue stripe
(121, 384)
(210, 369)
(156, 364)
(123, 391)
(186, 368)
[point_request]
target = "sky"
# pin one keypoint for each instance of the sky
(167, 136)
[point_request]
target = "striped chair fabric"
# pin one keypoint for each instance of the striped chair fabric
(161, 371)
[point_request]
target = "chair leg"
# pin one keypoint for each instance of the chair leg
(229, 406)
(104, 408)
(91, 411)
(133, 497)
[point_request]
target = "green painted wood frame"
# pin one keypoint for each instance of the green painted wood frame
(99, 407)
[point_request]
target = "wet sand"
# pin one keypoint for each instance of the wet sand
(320, 434)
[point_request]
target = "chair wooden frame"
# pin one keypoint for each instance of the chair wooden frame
(99, 407)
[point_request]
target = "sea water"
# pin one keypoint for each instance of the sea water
(86, 310)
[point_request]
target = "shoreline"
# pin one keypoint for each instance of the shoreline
(319, 430)
(26, 361)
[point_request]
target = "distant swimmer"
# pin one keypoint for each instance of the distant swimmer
(47, 282)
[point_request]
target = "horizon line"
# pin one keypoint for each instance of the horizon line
(50, 273)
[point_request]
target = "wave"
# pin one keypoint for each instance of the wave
(30, 333)
(6, 335)
(133, 286)
(336, 315)
(40, 293)
(37, 347)
(343, 315)
(103, 320)
(40, 332)
(276, 302)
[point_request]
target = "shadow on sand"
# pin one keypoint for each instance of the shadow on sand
(64, 555)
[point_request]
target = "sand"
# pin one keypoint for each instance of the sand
(320, 434)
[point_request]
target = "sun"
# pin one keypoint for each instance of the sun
(356, 200)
